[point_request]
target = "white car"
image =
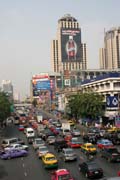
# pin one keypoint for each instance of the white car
(41, 151)
(17, 146)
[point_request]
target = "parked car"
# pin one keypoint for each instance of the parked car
(49, 160)
(91, 169)
(111, 154)
(38, 142)
(13, 154)
(61, 174)
(17, 147)
(67, 154)
(74, 143)
(42, 150)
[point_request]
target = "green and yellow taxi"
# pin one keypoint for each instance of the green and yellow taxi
(113, 129)
(88, 148)
(49, 161)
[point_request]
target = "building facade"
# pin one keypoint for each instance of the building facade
(108, 85)
(110, 55)
(67, 50)
(7, 87)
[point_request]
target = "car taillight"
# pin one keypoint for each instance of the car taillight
(90, 172)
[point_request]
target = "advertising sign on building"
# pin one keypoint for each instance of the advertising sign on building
(71, 46)
(112, 101)
(67, 82)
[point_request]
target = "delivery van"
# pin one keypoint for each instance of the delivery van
(29, 132)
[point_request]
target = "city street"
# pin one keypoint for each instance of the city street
(30, 167)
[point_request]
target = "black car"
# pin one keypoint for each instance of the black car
(111, 154)
(90, 138)
(59, 144)
(91, 169)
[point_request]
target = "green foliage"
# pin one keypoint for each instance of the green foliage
(4, 107)
(86, 105)
(34, 102)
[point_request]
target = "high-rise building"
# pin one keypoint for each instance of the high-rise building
(67, 50)
(110, 54)
(7, 87)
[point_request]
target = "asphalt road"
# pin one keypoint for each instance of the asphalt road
(30, 167)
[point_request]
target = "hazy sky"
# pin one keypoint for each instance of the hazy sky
(28, 26)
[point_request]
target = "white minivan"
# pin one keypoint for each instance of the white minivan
(29, 132)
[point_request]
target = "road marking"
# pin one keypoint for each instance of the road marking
(22, 158)
(23, 165)
(25, 174)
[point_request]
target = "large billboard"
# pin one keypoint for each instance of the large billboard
(42, 82)
(71, 47)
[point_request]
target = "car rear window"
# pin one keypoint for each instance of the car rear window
(92, 166)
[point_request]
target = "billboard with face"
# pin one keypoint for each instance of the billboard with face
(71, 47)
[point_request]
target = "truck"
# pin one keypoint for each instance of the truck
(40, 130)
(39, 118)
(65, 128)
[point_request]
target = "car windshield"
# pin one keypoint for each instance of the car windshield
(39, 141)
(107, 142)
(90, 146)
(43, 149)
(69, 152)
(64, 177)
(92, 166)
(50, 158)
(75, 140)
(51, 137)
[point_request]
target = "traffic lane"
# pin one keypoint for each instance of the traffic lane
(110, 169)
(28, 168)
(33, 166)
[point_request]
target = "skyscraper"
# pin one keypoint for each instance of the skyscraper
(67, 50)
(110, 54)
(7, 87)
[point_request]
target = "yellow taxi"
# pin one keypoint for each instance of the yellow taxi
(49, 161)
(88, 148)
(71, 122)
(113, 129)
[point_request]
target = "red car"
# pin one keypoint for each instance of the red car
(61, 174)
(103, 143)
(21, 127)
(68, 137)
(74, 143)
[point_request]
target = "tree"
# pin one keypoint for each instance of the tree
(4, 107)
(86, 105)
(34, 102)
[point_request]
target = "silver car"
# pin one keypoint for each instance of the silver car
(41, 151)
(50, 139)
(38, 142)
(68, 154)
